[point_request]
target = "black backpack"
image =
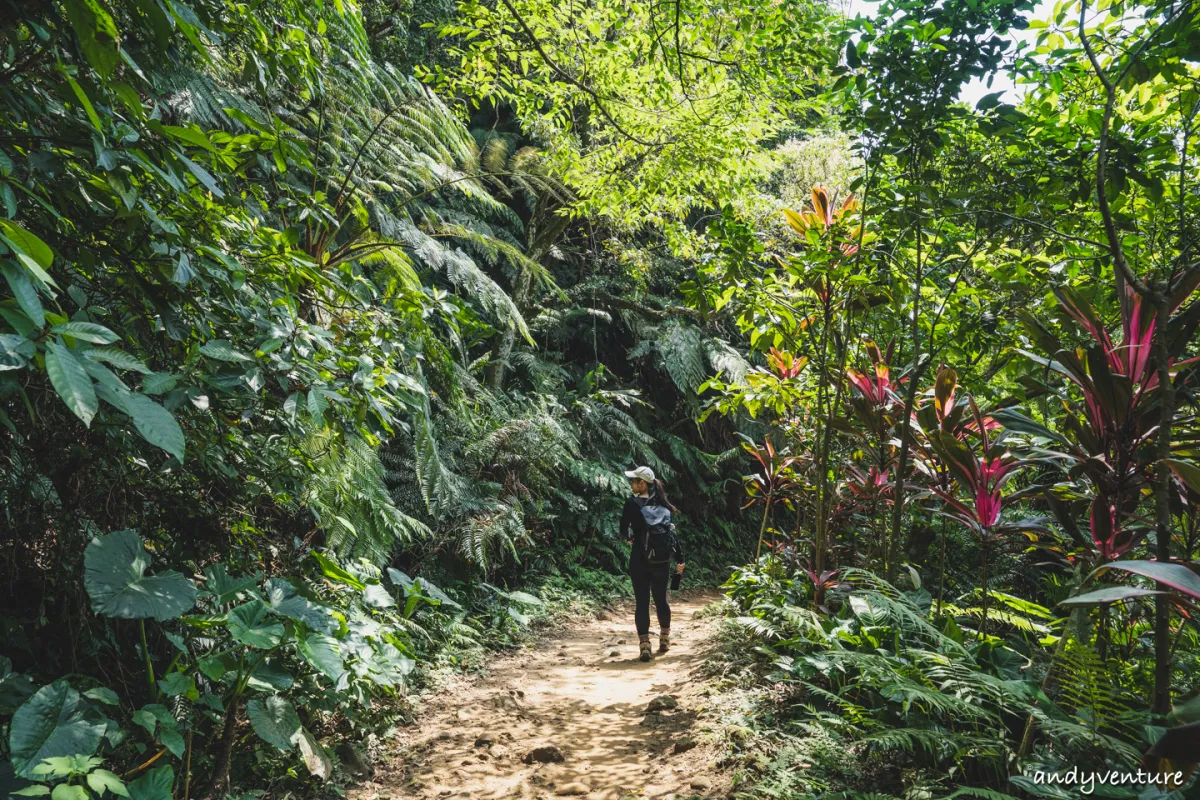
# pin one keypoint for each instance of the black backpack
(660, 533)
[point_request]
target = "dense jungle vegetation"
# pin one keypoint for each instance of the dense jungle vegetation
(328, 328)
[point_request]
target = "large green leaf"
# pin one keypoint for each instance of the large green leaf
(275, 720)
(331, 570)
(1016, 421)
(287, 602)
(524, 598)
(23, 291)
(101, 781)
(1188, 472)
(251, 623)
(224, 587)
(270, 676)
(117, 357)
(321, 652)
(52, 723)
(389, 667)
(1109, 594)
(87, 332)
(437, 594)
(154, 785)
(15, 687)
(155, 424)
(96, 32)
(31, 251)
(116, 580)
(222, 350)
(15, 351)
(1176, 576)
(376, 596)
(71, 381)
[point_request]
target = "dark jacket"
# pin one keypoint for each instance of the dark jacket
(633, 528)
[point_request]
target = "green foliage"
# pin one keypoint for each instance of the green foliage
(371, 359)
(670, 122)
(881, 675)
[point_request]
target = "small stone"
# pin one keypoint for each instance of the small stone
(603, 616)
(684, 744)
(546, 754)
(562, 647)
(485, 740)
(700, 784)
(573, 789)
(506, 702)
(445, 736)
(620, 641)
(466, 763)
(498, 751)
(614, 654)
(662, 703)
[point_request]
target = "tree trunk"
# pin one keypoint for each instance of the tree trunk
(942, 570)
(1162, 508)
(508, 339)
(219, 782)
(892, 542)
(763, 528)
(984, 621)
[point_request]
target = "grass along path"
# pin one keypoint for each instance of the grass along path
(581, 691)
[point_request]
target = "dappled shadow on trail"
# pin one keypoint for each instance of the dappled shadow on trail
(571, 693)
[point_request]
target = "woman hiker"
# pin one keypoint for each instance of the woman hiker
(646, 525)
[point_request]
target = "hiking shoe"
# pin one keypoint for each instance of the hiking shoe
(664, 641)
(644, 646)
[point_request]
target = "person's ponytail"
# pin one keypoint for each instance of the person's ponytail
(658, 495)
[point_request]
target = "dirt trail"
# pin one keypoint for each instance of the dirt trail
(569, 692)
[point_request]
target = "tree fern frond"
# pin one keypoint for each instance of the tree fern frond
(349, 498)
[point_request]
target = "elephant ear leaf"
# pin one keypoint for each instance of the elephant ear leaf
(51, 724)
(155, 784)
(275, 721)
(116, 580)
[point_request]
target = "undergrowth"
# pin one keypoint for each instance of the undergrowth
(883, 699)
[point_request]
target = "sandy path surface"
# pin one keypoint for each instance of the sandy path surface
(570, 692)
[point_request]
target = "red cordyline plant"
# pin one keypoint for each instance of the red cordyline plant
(823, 216)
(875, 386)
(943, 415)
(770, 483)
(875, 404)
(981, 470)
(868, 485)
(785, 365)
(1119, 383)
(824, 583)
(874, 400)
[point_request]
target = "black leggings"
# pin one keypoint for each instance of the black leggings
(650, 579)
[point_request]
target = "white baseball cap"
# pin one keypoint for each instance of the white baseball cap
(645, 473)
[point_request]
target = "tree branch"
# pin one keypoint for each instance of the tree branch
(569, 78)
(604, 298)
